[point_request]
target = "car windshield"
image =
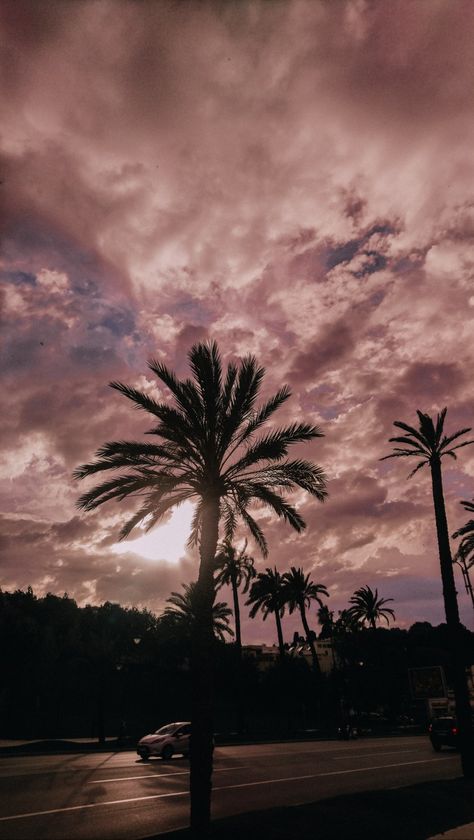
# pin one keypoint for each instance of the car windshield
(166, 730)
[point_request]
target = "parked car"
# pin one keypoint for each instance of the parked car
(443, 732)
(165, 742)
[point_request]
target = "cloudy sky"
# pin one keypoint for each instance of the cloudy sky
(292, 179)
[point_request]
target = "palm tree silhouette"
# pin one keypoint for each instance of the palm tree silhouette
(429, 444)
(326, 620)
(207, 452)
(235, 569)
(467, 531)
(267, 595)
(368, 607)
(183, 613)
(299, 592)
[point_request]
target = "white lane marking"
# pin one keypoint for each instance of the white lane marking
(332, 773)
(222, 787)
(369, 755)
(92, 805)
(164, 775)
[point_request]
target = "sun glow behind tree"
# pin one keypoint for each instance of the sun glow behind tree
(163, 542)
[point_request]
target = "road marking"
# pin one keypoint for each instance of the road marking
(91, 805)
(332, 773)
(222, 787)
(369, 755)
(164, 775)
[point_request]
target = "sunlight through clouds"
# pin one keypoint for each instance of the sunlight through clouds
(164, 542)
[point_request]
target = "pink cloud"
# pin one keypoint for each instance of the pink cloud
(293, 180)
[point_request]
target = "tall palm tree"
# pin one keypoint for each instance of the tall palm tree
(429, 444)
(267, 595)
(299, 592)
(366, 606)
(206, 450)
(235, 569)
(182, 613)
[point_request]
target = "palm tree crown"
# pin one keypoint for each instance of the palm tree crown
(368, 607)
(183, 611)
(466, 546)
(267, 595)
(428, 442)
(234, 566)
(207, 450)
(300, 589)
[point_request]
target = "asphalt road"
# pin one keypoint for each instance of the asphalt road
(116, 795)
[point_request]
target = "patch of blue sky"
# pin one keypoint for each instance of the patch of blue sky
(191, 310)
(120, 322)
(18, 278)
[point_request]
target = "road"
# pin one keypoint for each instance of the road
(116, 795)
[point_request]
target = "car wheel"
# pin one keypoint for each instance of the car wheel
(436, 746)
(167, 752)
(145, 755)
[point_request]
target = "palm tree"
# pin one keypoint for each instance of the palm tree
(267, 595)
(467, 531)
(206, 451)
(368, 607)
(326, 620)
(299, 591)
(430, 444)
(462, 559)
(234, 569)
(183, 610)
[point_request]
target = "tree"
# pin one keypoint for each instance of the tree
(207, 451)
(234, 568)
(299, 591)
(430, 444)
(326, 620)
(267, 595)
(368, 607)
(183, 611)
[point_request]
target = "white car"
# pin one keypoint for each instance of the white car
(170, 739)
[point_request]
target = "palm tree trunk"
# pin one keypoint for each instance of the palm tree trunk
(280, 635)
(309, 639)
(238, 640)
(461, 693)
(238, 646)
(202, 676)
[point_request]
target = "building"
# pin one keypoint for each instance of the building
(267, 655)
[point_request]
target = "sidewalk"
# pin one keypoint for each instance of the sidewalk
(46, 746)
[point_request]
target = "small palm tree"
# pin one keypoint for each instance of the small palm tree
(326, 620)
(235, 569)
(429, 444)
(183, 613)
(366, 606)
(205, 449)
(267, 595)
(299, 591)
(467, 531)
(346, 624)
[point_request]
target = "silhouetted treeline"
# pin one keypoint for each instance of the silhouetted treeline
(97, 671)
